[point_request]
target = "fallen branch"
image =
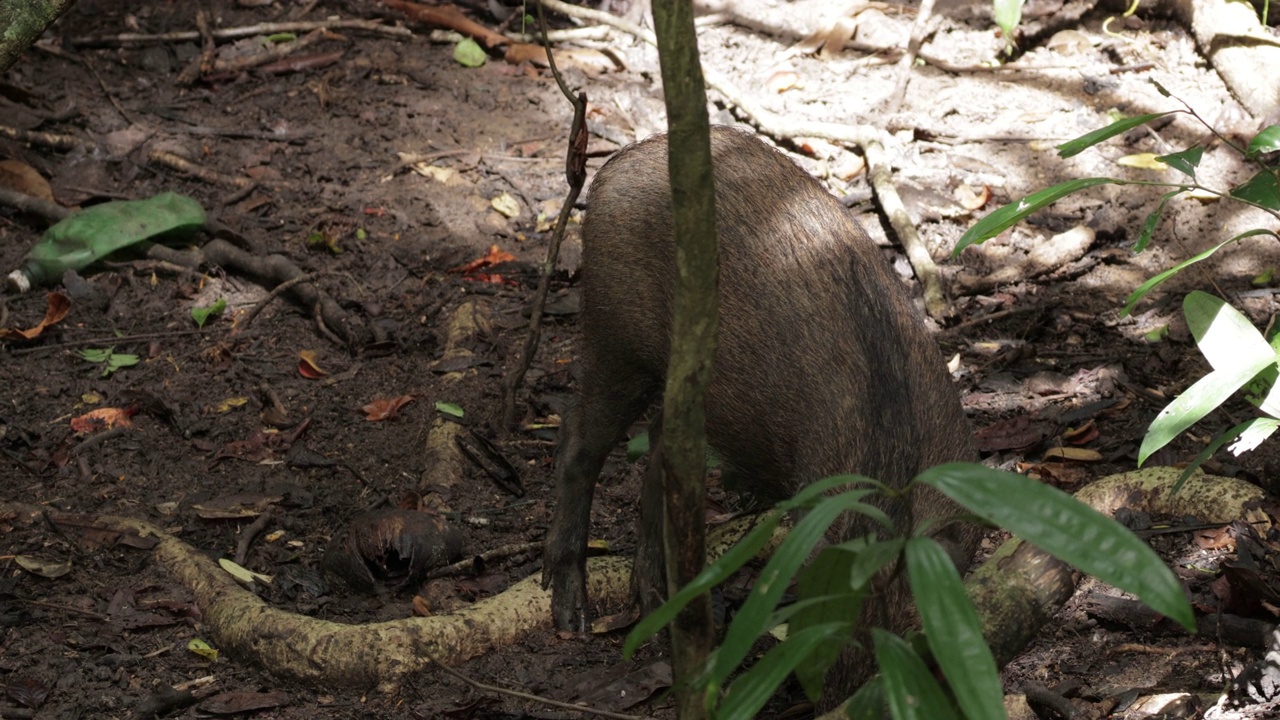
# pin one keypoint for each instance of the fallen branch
(372, 26)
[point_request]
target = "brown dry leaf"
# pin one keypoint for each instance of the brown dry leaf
(102, 419)
(385, 408)
(307, 365)
(1073, 453)
(21, 177)
(420, 607)
(239, 505)
(58, 307)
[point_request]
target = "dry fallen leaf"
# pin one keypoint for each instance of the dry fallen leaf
(307, 365)
(56, 309)
(385, 408)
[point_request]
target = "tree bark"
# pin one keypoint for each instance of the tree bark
(24, 22)
(682, 447)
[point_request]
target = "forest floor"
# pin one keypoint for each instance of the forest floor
(382, 167)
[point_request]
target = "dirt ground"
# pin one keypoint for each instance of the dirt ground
(381, 166)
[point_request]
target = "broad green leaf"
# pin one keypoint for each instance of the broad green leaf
(714, 574)
(1261, 190)
(96, 355)
(1184, 162)
(753, 617)
(1257, 430)
(118, 361)
(751, 690)
(468, 53)
(1235, 349)
(954, 630)
(827, 576)
(637, 447)
(1149, 225)
(1226, 338)
(871, 558)
(1088, 140)
(814, 491)
(1214, 445)
(1264, 142)
(202, 314)
(1008, 13)
(909, 687)
(1203, 397)
(1006, 217)
(868, 702)
(1065, 528)
(1151, 284)
(449, 408)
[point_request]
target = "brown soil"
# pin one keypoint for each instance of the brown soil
(324, 146)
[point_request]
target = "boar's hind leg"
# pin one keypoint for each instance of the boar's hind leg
(608, 403)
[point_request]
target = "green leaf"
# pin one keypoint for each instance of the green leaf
(449, 408)
(1214, 445)
(96, 355)
(751, 690)
(909, 687)
(468, 53)
(1264, 142)
(1149, 225)
(281, 37)
(1235, 349)
(827, 577)
(1261, 190)
(111, 361)
(868, 702)
(1008, 13)
(1088, 140)
(1185, 161)
(954, 630)
(118, 361)
(637, 447)
(714, 574)
(753, 617)
(1255, 431)
(1067, 529)
(202, 314)
(1151, 284)
(1006, 217)
(1226, 338)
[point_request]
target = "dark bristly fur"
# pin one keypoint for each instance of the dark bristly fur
(823, 365)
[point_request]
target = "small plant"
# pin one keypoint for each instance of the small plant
(110, 360)
(834, 585)
(201, 315)
(1238, 353)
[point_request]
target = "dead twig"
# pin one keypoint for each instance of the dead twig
(182, 165)
(469, 565)
(372, 26)
(923, 27)
(250, 534)
(576, 176)
(50, 211)
(333, 322)
(279, 290)
(44, 139)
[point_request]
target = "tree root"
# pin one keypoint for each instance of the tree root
(1017, 591)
